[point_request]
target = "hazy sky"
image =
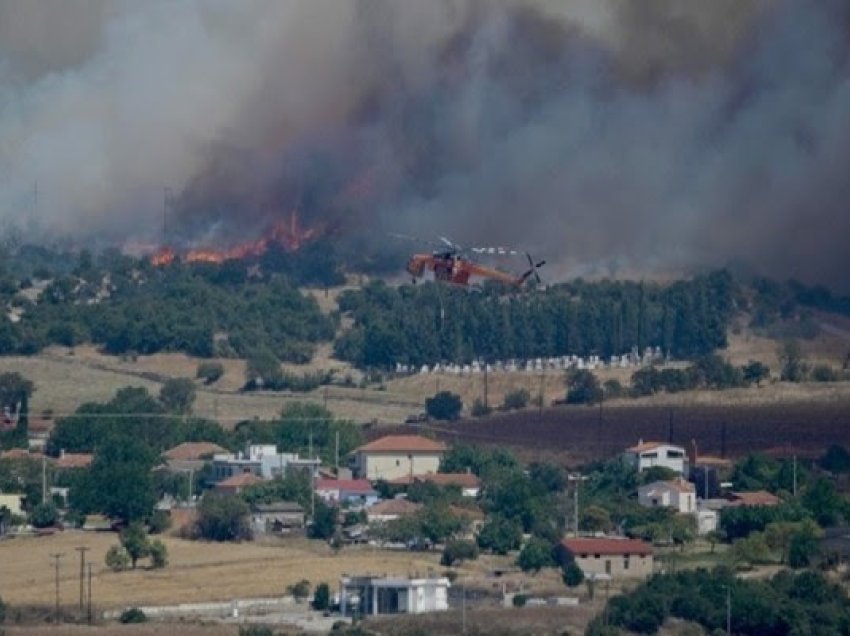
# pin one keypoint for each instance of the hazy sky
(605, 135)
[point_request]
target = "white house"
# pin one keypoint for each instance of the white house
(649, 454)
(394, 456)
(262, 460)
(371, 595)
(677, 494)
(346, 491)
(707, 520)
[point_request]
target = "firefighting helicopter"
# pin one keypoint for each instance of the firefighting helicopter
(450, 264)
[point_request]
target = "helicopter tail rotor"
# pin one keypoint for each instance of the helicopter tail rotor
(532, 270)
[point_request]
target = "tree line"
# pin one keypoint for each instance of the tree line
(431, 323)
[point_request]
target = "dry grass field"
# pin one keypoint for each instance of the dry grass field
(197, 571)
(148, 629)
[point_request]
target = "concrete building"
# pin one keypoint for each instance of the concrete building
(394, 456)
(611, 557)
(650, 454)
(352, 492)
(372, 595)
(262, 460)
(281, 517)
(13, 502)
(707, 520)
(677, 494)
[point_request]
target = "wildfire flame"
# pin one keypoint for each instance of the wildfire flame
(288, 235)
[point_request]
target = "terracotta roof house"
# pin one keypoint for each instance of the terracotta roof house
(391, 509)
(468, 483)
(20, 453)
(606, 558)
(73, 460)
(393, 456)
(193, 451)
(756, 498)
(238, 483)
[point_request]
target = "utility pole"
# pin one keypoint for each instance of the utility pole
(89, 612)
(336, 454)
(82, 550)
(57, 556)
(43, 478)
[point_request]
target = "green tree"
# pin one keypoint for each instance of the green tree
(178, 395)
(824, 502)
(262, 369)
(804, 545)
(300, 590)
(223, 518)
(499, 535)
(134, 539)
(572, 575)
(158, 554)
(322, 597)
(595, 519)
(445, 405)
(324, 522)
(535, 555)
(119, 481)
(583, 388)
(836, 460)
(755, 372)
(44, 515)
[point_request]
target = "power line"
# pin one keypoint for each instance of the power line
(57, 557)
(82, 550)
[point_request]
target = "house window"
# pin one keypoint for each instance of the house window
(398, 462)
(607, 566)
(626, 562)
(596, 556)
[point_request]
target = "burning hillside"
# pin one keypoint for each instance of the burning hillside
(288, 235)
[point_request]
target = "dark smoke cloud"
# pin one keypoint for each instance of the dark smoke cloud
(608, 136)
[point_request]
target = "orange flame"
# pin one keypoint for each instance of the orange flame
(290, 236)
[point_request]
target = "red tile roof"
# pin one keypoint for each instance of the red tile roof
(642, 446)
(470, 514)
(347, 485)
(74, 460)
(394, 507)
(464, 480)
(607, 545)
(757, 498)
(193, 450)
(242, 480)
(19, 453)
(402, 444)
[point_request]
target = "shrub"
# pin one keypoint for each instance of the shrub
(44, 515)
(209, 371)
(133, 615)
(824, 373)
(479, 409)
(158, 554)
(456, 551)
(517, 399)
(159, 522)
(300, 590)
(519, 600)
(445, 405)
(117, 558)
(572, 575)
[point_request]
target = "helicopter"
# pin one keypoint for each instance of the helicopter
(449, 264)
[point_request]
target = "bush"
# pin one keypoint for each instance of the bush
(536, 554)
(158, 554)
(517, 399)
(117, 558)
(479, 409)
(445, 405)
(519, 600)
(300, 590)
(322, 597)
(824, 373)
(44, 515)
(159, 522)
(209, 371)
(456, 551)
(133, 615)
(572, 575)
(583, 388)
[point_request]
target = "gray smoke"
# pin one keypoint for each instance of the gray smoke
(608, 136)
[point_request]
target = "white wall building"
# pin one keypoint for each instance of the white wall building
(707, 520)
(395, 456)
(649, 454)
(372, 595)
(262, 460)
(677, 494)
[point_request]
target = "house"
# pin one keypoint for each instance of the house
(756, 498)
(611, 557)
(280, 517)
(262, 460)
(358, 492)
(191, 455)
(650, 454)
(13, 502)
(67, 461)
(677, 494)
(237, 483)
(391, 509)
(370, 595)
(468, 483)
(393, 456)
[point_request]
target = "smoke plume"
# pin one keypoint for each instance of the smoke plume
(608, 136)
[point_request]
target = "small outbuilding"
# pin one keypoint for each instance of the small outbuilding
(371, 595)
